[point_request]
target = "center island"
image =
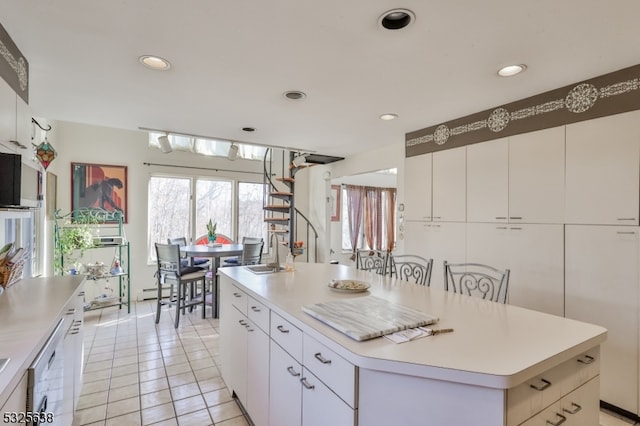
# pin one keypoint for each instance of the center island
(502, 364)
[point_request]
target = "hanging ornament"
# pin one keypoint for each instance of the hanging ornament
(45, 153)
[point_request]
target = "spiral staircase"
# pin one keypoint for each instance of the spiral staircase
(292, 228)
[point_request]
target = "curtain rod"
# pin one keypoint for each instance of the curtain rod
(201, 168)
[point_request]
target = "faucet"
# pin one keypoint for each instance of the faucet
(276, 264)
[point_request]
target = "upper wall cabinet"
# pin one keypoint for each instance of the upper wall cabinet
(417, 186)
(487, 181)
(536, 177)
(449, 185)
(23, 123)
(602, 170)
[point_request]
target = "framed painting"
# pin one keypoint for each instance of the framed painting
(335, 203)
(99, 187)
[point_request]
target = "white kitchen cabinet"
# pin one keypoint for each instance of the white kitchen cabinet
(233, 345)
(488, 181)
(449, 185)
(534, 254)
(320, 406)
(601, 285)
(73, 348)
(257, 402)
(602, 170)
(536, 176)
(417, 187)
(7, 116)
(285, 390)
(23, 123)
(439, 241)
(17, 402)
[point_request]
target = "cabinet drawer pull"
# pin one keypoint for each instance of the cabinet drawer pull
(238, 295)
(81, 293)
(574, 408)
(306, 384)
(501, 227)
(516, 229)
(586, 359)
(281, 329)
(322, 359)
(437, 217)
(255, 309)
(626, 218)
(559, 422)
(515, 217)
(243, 322)
(71, 311)
(626, 233)
(292, 371)
(501, 217)
(545, 384)
(249, 329)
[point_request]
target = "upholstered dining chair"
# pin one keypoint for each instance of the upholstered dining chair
(476, 279)
(184, 282)
(408, 267)
(235, 261)
(372, 260)
(197, 261)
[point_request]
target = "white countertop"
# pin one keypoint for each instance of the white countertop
(29, 311)
(493, 345)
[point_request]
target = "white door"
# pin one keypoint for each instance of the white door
(417, 187)
(285, 390)
(488, 181)
(536, 177)
(257, 375)
(602, 288)
(602, 170)
(449, 185)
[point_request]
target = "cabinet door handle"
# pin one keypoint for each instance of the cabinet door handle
(437, 217)
(292, 371)
(574, 408)
(559, 422)
(81, 293)
(281, 329)
(626, 233)
(237, 295)
(249, 329)
(515, 217)
(501, 217)
(306, 384)
(626, 218)
(322, 359)
(242, 322)
(586, 359)
(255, 309)
(545, 384)
(516, 229)
(71, 311)
(501, 227)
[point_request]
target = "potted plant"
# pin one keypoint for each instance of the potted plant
(211, 231)
(73, 239)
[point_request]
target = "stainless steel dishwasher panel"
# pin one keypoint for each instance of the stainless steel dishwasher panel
(46, 378)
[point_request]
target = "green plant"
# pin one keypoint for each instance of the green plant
(211, 228)
(73, 240)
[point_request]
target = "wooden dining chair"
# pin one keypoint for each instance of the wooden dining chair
(183, 281)
(408, 267)
(476, 279)
(235, 261)
(197, 261)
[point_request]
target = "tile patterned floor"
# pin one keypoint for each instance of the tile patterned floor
(139, 373)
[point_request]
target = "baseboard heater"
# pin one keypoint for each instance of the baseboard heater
(151, 293)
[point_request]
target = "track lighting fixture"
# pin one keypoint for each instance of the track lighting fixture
(165, 145)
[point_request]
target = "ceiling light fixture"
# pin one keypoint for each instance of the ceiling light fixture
(396, 19)
(233, 152)
(154, 62)
(165, 145)
(299, 160)
(511, 70)
(388, 116)
(295, 95)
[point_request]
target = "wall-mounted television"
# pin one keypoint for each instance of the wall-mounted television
(19, 184)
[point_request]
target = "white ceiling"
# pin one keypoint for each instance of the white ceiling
(233, 59)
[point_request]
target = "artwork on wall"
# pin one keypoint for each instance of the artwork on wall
(335, 203)
(51, 195)
(99, 186)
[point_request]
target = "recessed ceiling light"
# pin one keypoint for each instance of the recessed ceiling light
(388, 116)
(396, 19)
(154, 62)
(295, 95)
(249, 129)
(511, 70)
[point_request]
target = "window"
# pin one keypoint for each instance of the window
(212, 147)
(174, 212)
(386, 210)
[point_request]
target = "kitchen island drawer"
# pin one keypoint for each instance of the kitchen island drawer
(286, 335)
(333, 370)
(239, 300)
(259, 314)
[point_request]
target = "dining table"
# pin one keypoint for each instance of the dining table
(215, 252)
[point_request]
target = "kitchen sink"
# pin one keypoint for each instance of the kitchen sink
(263, 269)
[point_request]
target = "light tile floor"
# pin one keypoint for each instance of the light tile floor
(139, 373)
